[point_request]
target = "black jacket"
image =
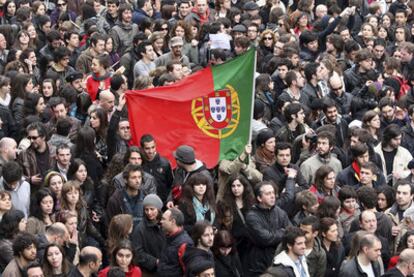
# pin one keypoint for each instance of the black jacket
(148, 241)
(408, 138)
(160, 168)
(266, 228)
(334, 258)
(169, 265)
(347, 177)
(351, 268)
(192, 258)
(394, 272)
(276, 174)
(354, 80)
(228, 266)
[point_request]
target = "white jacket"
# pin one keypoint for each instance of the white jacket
(285, 260)
(401, 160)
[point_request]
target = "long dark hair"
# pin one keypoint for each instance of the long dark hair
(85, 141)
(30, 103)
(403, 243)
(223, 238)
(18, 86)
(103, 122)
(47, 268)
(329, 207)
(248, 195)
(9, 224)
(35, 209)
(123, 244)
(71, 174)
(188, 192)
(320, 176)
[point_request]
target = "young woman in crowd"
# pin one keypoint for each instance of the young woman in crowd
(12, 223)
(72, 200)
(100, 79)
(123, 256)
(99, 122)
(226, 259)
(197, 201)
(55, 263)
(120, 228)
(324, 183)
(34, 104)
(78, 172)
(332, 246)
(21, 85)
(41, 211)
(48, 89)
(54, 181)
(157, 41)
(5, 203)
(371, 121)
(9, 11)
(148, 238)
(239, 197)
(85, 149)
(386, 198)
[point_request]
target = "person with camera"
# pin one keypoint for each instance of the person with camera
(324, 146)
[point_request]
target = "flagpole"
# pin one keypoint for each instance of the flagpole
(253, 94)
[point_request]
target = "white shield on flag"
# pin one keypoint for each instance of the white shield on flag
(218, 108)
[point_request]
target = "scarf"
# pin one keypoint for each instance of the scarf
(267, 157)
(100, 78)
(201, 210)
(357, 170)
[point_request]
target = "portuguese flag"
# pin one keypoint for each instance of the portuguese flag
(210, 110)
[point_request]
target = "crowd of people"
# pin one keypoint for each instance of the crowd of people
(325, 188)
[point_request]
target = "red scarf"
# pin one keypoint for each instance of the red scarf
(357, 170)
(203, 17)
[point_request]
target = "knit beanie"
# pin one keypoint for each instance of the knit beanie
(153, 200)
(263, 136)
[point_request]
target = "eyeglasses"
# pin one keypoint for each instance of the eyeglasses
(32, 137)
(267, 38)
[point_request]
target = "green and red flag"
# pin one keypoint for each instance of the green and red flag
(210, 110)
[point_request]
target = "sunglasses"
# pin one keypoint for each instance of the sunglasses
(32, 137)
(61, 4)
(267, 38)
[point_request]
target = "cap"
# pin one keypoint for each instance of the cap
(74, 76)
(240, 28)
(185, 154)
(250, 6)
(152, 200)
(175, 41)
